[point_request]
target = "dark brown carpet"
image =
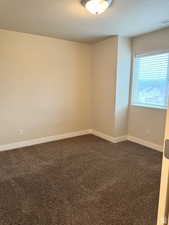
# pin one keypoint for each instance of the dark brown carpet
(80, 181)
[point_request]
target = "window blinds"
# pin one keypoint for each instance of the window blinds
(150, 80)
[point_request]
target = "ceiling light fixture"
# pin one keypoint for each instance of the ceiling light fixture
(96, 6)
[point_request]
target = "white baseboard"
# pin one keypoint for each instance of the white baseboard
(129, 138)
(120, 139)
(43, 140)
(145, 143)
(108, 137)
(79, 133)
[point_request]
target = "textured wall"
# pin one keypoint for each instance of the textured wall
(44, 86)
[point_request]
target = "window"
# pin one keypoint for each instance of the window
(150, 81)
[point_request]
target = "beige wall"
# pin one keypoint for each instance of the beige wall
(122, 86)
(110, 86)
(51, 86)
(146, 123)
(151, 42)
(44, 86)
(73, 86)
(104, 60)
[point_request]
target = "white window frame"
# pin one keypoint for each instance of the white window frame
(132, 80)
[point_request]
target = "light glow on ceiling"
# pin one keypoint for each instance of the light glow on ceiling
(96, 6)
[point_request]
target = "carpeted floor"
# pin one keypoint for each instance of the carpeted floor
(80, 181)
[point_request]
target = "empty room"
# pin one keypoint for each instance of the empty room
(84, 119)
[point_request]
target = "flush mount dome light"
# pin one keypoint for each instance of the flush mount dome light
(96, 6)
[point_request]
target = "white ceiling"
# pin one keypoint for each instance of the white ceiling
(67, 19)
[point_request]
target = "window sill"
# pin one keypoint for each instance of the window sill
(149, 106)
